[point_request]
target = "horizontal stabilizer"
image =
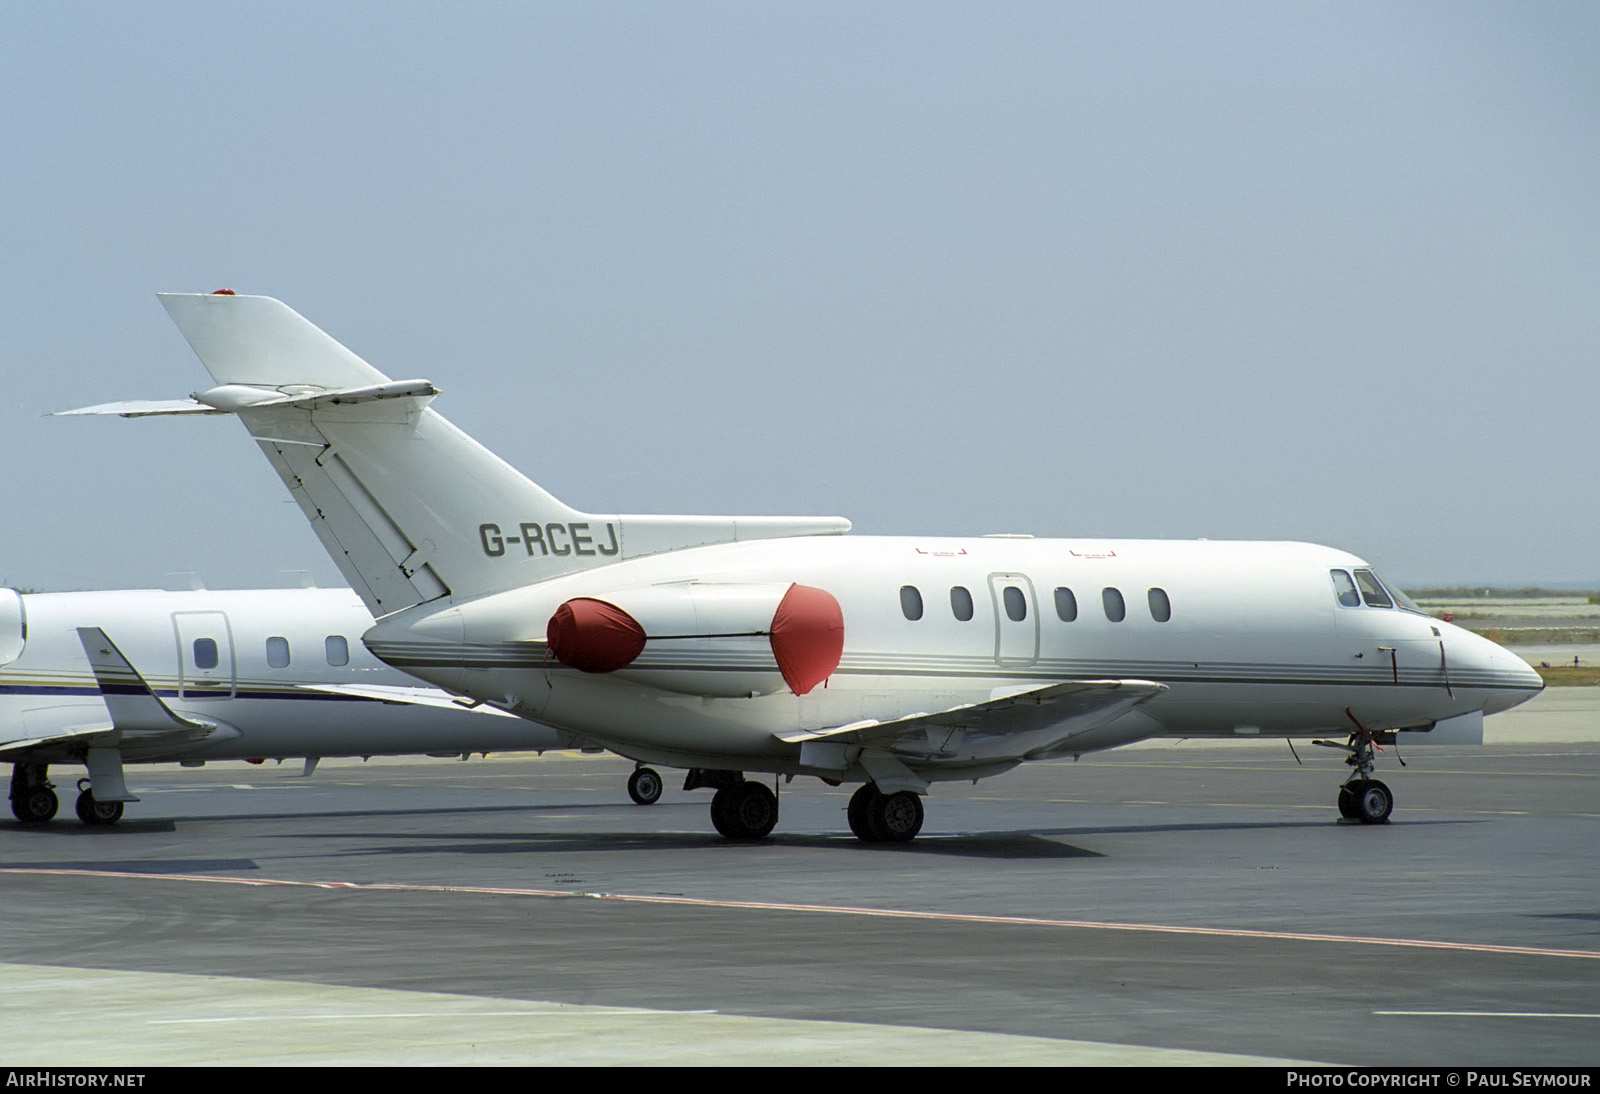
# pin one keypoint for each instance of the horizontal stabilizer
(232, 398)
(140, 408)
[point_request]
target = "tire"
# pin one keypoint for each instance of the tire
(1347, 799)
(35, 806)
(860, 806)
(896, 818)
(719, 811)
(96, 812)
(1374, 803)
(747, 812)
(644, 786)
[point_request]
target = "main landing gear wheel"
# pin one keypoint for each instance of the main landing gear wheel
(876, 817)
(33, 795)
(747, 811)
(860, 802)
(644, 786)
(97, 813)
(35, 805)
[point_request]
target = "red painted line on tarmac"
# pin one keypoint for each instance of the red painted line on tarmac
(837, 909)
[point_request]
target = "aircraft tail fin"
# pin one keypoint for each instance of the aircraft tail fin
(261, 342)
(410, 508)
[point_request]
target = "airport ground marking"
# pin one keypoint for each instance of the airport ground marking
(831, 909)
(1482, 1014)
(357, 1016)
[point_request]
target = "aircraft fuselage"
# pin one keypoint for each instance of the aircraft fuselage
(1247, 638)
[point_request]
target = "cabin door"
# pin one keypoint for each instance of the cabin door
(206, 667)
(1016, 620)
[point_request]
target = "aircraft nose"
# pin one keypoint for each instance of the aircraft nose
(1516, 682)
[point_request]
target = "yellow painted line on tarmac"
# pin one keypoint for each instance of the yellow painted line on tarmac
(1482, 1014)
(364, 1016)
(839, 909)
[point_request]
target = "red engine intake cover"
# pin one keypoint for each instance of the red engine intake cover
(807, 637)
(593, 636)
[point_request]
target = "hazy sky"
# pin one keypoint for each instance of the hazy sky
(1289, 271)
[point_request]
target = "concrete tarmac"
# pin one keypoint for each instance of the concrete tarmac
(1171, 903)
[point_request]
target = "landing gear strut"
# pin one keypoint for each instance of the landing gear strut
(1363, 798)
(33, 795)
(644, 786)
(876, 817)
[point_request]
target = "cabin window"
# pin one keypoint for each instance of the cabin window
(1016, 604)
(1345, 589)
(1372, 590)
(911, 602)
(1116, 607)
(278, 652)
(338, 650)
(961, 603)
(1160, 605)
(1066, 605)
(205, 653)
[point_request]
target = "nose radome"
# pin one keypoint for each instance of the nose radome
(1516, 681)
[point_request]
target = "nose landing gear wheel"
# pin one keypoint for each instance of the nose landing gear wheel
(1373, 802)
(1363, 798)
(644, 786)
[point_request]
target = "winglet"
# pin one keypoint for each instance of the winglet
(133, 705)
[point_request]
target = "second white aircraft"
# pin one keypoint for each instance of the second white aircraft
(157, 676)
(728, 645)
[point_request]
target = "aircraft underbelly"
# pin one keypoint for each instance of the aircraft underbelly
(1245, 709)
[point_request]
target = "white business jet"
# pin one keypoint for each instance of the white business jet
(150, 676)
(728, 645)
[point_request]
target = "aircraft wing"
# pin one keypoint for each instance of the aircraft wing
(1017, 723)
(77, 733)
(414, 696)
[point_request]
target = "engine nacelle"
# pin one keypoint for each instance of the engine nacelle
(703, 638)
